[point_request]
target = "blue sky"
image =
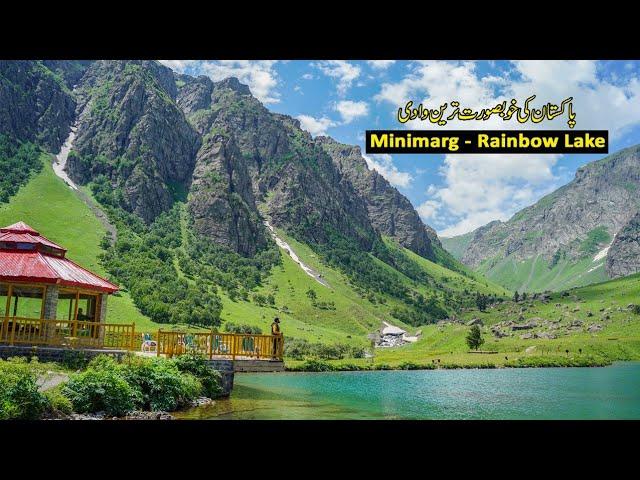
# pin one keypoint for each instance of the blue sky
(453, 193)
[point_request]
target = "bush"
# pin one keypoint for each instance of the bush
(300, 349)
(75, 359)
(99, 389)
(233, 328)
(19, 395)
(636, 309)
(314, 366)
(57, 403)
(159, 383)
(197, 366)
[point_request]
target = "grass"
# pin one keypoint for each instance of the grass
(534, 274)
(444, 345)
(54, 210)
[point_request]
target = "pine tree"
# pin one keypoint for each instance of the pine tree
(474, 337)
(516, 296)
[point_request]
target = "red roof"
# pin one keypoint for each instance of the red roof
(27, 256)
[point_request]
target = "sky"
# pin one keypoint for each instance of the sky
(455, 194)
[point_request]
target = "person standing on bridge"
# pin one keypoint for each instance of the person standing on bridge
(277, 335)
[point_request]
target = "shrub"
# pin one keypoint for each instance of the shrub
(636, 309)
(233, 328)
(300, 349)
(99, 389)
(57, 403)
(315, 366)
(74, 359)
(159, 383)
(197, 366)
(19, 395)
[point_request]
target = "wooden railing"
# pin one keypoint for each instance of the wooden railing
(214, 344)
(86, 334)
(65, 333)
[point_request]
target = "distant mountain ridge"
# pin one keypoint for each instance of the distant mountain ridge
(561, 240)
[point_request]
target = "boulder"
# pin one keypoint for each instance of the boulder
(595, 328)
(475, 321)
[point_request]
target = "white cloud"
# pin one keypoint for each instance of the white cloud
(315, 126)
(350, 110)
(298, 89)
(380, 64)
(481, 188)
(260, 75)
(340, 70)
(383, 164)
(428, 209)
(178, 65)
(307, 76)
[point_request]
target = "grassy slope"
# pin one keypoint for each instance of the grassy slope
(534, 274)
(48, 205)
(618, 340)
(52, 208)
(457, 245)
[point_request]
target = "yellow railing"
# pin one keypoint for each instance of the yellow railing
(86, 334)
(214, 344)
(65, 333)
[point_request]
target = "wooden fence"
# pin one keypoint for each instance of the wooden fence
(214, 344)
(84, 334)
(65, 333)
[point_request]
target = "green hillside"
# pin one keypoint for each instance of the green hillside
(53, 209)
(537, 275)
(343, 313)
(457, 245)
(573, 317)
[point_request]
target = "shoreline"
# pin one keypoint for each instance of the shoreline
(522, 362)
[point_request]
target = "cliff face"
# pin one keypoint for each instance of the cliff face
(388, 210)
(289, 176)
(131, 131)
(572, 222)
(35, 104)
(624, 255)
(157, 137)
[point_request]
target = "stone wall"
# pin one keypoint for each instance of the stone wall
(225, 367)
(52, 354)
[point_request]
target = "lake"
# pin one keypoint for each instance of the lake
(534, 393)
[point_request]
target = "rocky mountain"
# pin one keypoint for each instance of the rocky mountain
(131, 131)
(156, 137)
(561, 240)
(35, 104)
(189, 170)
(624, 255)
(389, 211)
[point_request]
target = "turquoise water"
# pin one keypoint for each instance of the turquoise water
(536, 393)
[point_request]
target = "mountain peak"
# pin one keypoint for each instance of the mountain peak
(234, 84)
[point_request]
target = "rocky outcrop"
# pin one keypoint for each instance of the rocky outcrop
(292, 178)
(221, 199)
(390, 212)
(575, 221)
(131, 131)
(71, 71)
(624, 255)
(35, 104)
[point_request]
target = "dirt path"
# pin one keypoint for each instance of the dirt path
(59, 167)
(287, 248)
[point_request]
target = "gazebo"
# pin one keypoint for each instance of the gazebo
(47, 298)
